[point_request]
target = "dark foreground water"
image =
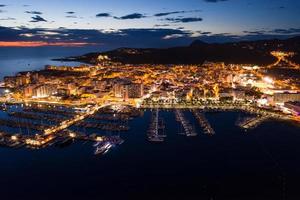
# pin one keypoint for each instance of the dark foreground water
(259, 164)
(263, 163)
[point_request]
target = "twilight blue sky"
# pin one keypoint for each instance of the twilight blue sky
(147, 22)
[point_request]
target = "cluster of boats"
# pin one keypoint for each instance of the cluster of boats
(22, 124)
(103, 126)
(5, 142)
(127, 111)
(112, 117)
(189, 130)
(62, 112)
(34, 116)
(104, 146)
(156, 129)
(251, 122)
(203, 122)
(3, 107)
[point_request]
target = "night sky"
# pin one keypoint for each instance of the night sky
(144, 23)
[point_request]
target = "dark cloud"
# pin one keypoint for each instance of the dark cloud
(286, 31)
(34, 12)
(184, 19)
(161, 25)
(215, 1)
(2, 5)
(132, 16)
(174, 12)
(110, 39)
(70, 12)
(71, 16)
(206, 33)
(294, 30)
(37, 18)
(255, 32)
(7, 18)
(103, 15)
(167, 13)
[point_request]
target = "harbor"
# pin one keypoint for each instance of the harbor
(102, 151)
(36, 126)
(188, 129)
(203, 122)
(252, 122)
(156, 128)
(38, 142)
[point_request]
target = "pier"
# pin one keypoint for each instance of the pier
(155, 129)
(69, 122)
(37, 142)
(205, 125)
(188, 128)
(253, 122)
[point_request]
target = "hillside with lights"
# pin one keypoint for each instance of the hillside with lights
(255, 52)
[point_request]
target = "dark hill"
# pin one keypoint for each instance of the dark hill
(254, 52)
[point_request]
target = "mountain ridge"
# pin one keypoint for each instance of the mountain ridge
(243, 52)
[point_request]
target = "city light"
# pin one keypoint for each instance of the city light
(268, 80)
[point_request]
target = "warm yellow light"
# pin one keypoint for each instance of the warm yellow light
(268, 80)
(99, 139)
(14, 137)
(72, 135)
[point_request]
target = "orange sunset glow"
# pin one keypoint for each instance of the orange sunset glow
(41, 43)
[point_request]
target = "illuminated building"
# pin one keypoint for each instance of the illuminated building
(22, 80)
(135, 90)
(38, 78)
(119, 90)
(28, 91)
(42, 91)
(63, 92)
(10, 81)
(285, 97)
(238, 94)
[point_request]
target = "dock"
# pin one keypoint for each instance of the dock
(188, 128)
(38, 142)
(203, 122)
(156, 130)
(253, 122)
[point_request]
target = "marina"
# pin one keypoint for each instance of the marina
(189, 130)
(21, 124)
(203, 122)
(66, 113)
(35, 116)
(158, 100)
(103, 126)
(61, 139)
(253, 122)
(156, 128)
